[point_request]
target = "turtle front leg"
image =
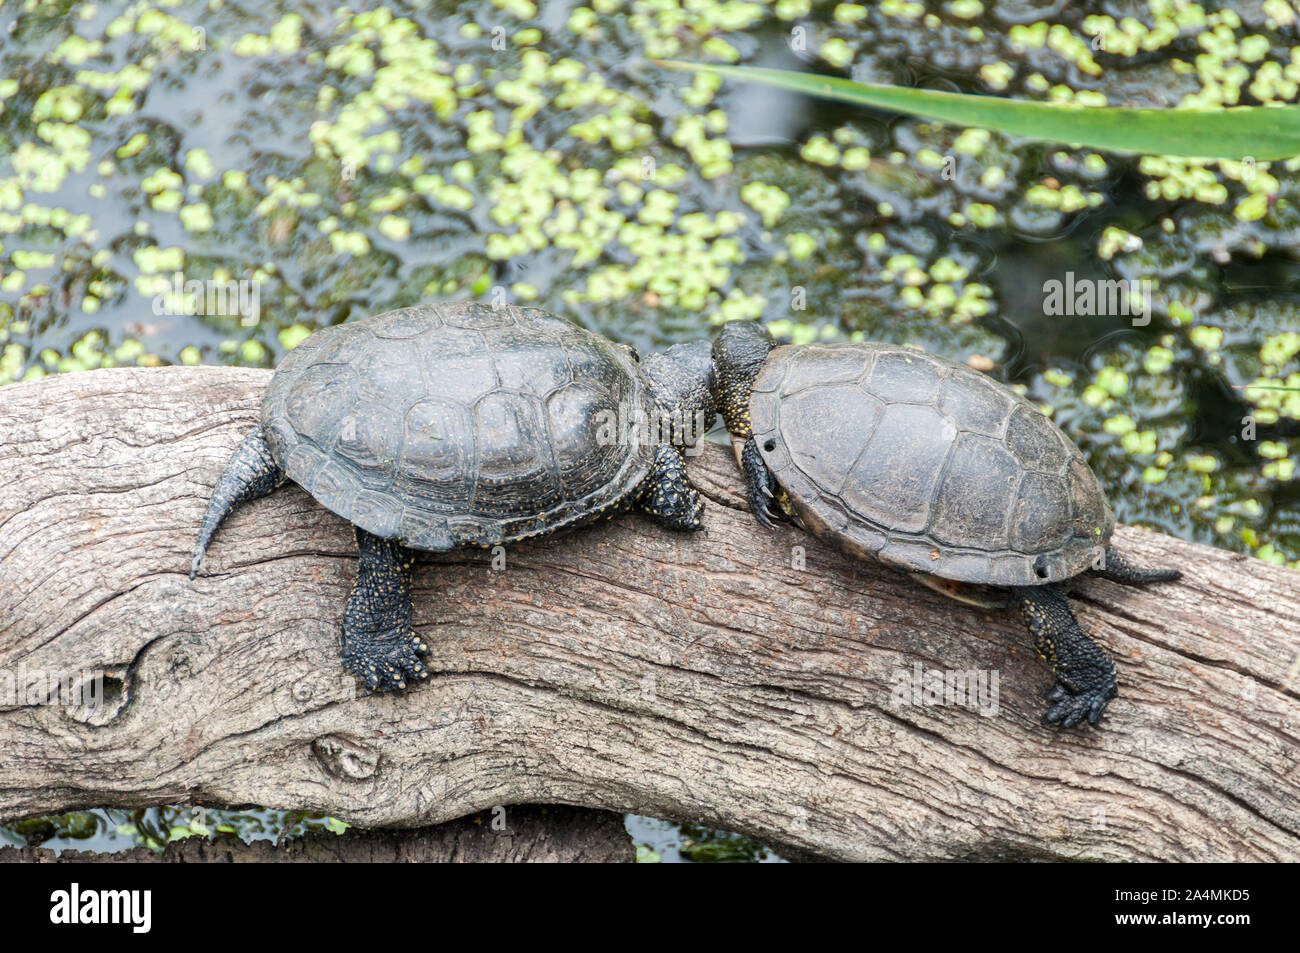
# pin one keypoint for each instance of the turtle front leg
(667, 496)
(1085, 675)
(379, 645)
(761, 484)
(739, 352)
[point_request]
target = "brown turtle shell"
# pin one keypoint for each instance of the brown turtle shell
(459, 424)
(927, 465)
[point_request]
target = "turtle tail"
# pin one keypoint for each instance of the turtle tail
(251, 472)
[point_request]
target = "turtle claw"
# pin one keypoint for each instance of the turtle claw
(762, 486)
(385, 660)
(763, 512)
(763, 505)
(1085, 675)
(1069, 708)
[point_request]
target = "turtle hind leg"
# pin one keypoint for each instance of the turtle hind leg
(250, 473)
(379, 645)
(667, 496)
(1085, 675)
(1118, 569)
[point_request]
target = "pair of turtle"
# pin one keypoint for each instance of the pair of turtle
(472, 425)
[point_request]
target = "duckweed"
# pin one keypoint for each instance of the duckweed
(353, 162)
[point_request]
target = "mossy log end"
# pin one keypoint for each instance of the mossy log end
(700, 677)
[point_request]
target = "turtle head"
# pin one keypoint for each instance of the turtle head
(681, 385)
(738, 355)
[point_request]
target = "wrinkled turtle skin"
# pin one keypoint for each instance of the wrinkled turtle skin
(927, 465)
(447, 427)
(467, 424)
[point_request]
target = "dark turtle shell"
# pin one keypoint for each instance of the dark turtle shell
(459, 424)
(926, 464)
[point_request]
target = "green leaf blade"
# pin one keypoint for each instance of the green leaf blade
(1264, 133)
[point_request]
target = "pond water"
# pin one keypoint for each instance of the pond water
(118, 830)
(343, 159)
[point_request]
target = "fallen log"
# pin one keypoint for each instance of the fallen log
(743, 679)
(532, 834)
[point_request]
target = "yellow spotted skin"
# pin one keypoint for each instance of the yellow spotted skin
(379, 645)
(733, 402)
(739, 352)
(1085, 675)
(668, 497)
(738, 355)
(464, 426)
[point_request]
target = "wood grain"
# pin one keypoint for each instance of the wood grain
(697, 677)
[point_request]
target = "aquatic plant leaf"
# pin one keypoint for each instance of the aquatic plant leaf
(1264, 133)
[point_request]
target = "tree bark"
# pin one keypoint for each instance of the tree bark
(553, 834)
(700, 677)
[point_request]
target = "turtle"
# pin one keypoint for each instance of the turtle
(934, 468)
(462, 425)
